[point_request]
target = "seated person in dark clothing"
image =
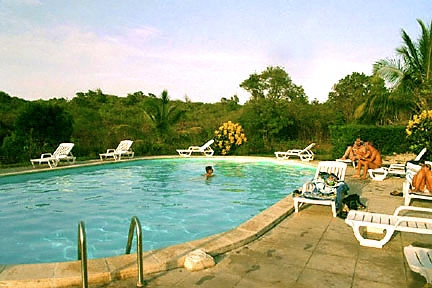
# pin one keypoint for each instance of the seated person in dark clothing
(326, 187)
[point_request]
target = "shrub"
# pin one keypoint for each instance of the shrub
(419, 131)
(228, 137)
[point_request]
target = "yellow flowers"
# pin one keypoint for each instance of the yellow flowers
(228, 137)
(419, 129)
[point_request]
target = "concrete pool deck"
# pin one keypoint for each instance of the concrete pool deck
(277, 248)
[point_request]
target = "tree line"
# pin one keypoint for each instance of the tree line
(277, 116)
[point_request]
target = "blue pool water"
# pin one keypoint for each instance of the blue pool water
(174, 202)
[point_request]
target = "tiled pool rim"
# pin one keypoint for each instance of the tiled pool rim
(105, 270)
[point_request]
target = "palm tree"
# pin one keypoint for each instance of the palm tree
(410, 73)
(162, 114)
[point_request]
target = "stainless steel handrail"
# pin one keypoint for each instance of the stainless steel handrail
(82, 253)
(135, 223)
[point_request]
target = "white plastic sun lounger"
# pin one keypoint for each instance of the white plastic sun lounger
(381, 173)
(388, 224)
(348, 161)
(305, 154)
(337, 168)
(420, 261)
(409, 195)
(124, 148)
(63, 152)
(204, 149)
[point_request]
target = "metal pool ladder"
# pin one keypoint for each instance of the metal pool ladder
(82, 250)
(136, 225)
(82, 253)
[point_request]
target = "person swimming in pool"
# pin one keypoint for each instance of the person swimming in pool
(209, 171)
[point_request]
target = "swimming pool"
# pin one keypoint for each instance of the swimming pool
(175, 204)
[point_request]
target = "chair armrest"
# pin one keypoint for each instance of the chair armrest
(46, 154)
(411, 208)
(397, 166)
(194, 147)
(110, 150)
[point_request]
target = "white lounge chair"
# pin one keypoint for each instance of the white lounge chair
(204, 149)
(123, 149)
(420, 261)
(409, 195)
(305, 154)
(348, 161)
(63, 152)
(381, 173)
(411, 170)
(337, 168)
(388, 224)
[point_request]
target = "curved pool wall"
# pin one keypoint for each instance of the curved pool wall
(105, 270)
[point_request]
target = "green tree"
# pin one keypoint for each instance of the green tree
(348, 94)
(410, 72)
(270, 112)
(233, 102)
(9, 109)
(40, 127)
(273, 83)
(44, 123)
(162, 113)
(267, 119)
(381, 107)
(91, 98)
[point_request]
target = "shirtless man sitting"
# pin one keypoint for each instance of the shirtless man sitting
(352, 152)
(422, 181)
(370, 160)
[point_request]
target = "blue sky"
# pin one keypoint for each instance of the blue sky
(202, 49)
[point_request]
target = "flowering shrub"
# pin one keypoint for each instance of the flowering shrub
(228, 137)
(419, 131)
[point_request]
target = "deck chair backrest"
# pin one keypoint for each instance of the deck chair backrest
(309, 147)
(206, 145)
(63, 149)
(335, 167)
(420, 155)
(124, 145)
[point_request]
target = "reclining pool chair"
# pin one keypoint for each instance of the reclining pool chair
(63, 152)
(411, 169)
(420, 261)
(388, 224)
(348, 161)
(381, 173)
(337, 168)
(124, 148)
(305, 154)
(205, 149)
(409, 195)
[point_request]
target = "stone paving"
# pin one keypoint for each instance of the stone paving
(311, 249)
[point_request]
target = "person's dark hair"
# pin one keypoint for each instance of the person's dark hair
(208, 168)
